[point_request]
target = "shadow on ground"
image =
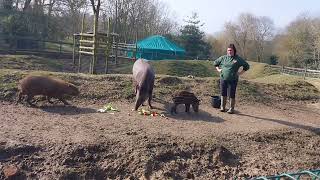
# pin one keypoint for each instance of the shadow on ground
(67, 110)
(182, 115)
(315, 130)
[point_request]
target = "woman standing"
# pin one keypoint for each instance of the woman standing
(228, 67)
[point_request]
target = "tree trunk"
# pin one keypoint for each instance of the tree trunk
(26, 5)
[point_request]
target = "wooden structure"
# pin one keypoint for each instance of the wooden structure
(95, 44)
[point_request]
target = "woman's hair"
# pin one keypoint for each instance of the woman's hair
(232, 46)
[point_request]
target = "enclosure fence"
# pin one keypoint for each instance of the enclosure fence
(298, 71)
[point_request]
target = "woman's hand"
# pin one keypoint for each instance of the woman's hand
(241, 72)
(218, 69)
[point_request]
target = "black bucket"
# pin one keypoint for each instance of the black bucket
(215, 101)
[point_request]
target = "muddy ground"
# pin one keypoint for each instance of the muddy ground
(76, 142)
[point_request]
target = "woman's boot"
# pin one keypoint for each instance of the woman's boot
(232, 103)
(223, 103)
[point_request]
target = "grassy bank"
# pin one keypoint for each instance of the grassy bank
(119, 87)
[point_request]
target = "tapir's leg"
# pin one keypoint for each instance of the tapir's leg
(139, 100)
(136, 87)
(150, 94)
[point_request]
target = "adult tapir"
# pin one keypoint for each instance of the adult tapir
(143, 81)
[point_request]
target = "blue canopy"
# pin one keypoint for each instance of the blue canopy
(158, 47)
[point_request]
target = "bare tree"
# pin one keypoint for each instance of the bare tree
(241, 32)
(299, 44)
(299, 41)
(218, 42)
(315, 30)
(250, 34)
(71, 10)
(262, 31)
(26, 5)
(139, 18)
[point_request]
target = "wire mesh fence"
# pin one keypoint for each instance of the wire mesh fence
(306, 174)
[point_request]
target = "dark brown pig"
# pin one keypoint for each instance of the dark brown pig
(187, 98)
(143, 81)
(49, 87)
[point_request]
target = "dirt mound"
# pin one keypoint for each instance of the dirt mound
(18, 155)
(223, 156)
(169, 81)
(164, 158)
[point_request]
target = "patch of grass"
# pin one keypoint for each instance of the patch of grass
(214, 87)
(251, 92)
(169, 81)
(8, 84)
(127, 86)
(174, 68)
(285, 87)
(27, 62)
(125, 68)
(258, 70)
(298, 90)
(185, 68)
(315, 82)
(279, 79)
(56, 47)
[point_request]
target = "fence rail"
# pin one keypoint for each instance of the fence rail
(61, 48)
(298, 71)
(34, 44)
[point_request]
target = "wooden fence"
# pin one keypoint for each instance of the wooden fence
(38, 45)
(298, 71)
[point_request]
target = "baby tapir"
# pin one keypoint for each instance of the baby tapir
(187, 98)
(49, 87)
(143, 81)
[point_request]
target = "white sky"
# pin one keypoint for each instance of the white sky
(214, 13)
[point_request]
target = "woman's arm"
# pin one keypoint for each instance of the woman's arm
(245, 67)
(217, 63)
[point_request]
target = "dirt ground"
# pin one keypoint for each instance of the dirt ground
(77, 142)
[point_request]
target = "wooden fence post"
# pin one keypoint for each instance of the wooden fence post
(82, 27)
(305, 72)
(109, 46)
(73, 50)
(60, 48)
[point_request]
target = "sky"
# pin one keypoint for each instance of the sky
(215, 13)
